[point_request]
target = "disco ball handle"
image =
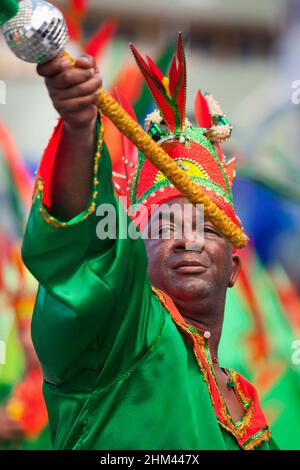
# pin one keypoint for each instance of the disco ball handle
(38, 33)
(133, 131)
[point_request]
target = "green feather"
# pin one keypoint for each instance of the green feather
(8, 9)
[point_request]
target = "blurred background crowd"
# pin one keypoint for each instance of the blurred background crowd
(247, 55)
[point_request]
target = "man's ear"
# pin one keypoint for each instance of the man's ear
(235, 269)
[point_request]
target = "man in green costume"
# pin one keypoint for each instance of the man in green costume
(128, 342)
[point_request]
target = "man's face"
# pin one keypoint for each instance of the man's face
(190, 262)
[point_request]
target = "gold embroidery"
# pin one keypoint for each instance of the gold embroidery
(38, 192)
(38, 188)
(196, 339)
(238, 430)
(160, 296)
(264, 436)
(246, 401)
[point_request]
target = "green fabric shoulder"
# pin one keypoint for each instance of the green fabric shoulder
(93, 306)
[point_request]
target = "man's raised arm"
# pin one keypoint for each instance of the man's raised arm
(92, 311)
(73, 91)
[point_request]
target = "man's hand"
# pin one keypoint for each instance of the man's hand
(73, 89)
(9, 430)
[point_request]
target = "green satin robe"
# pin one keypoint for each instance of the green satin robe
(118, 374)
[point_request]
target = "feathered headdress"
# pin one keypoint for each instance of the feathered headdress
(196, 149)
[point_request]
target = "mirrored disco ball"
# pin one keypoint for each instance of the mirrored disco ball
(37, 33)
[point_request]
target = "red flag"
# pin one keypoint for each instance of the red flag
(100, 39)
(73, 28)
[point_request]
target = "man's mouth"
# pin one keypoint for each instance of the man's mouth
(189, 267)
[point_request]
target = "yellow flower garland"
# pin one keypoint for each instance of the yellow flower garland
(169, 167)
(131, 129)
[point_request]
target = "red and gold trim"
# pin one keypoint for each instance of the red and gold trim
(252, 429)
(45, 174)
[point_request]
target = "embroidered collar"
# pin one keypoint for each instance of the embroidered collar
(252, 428)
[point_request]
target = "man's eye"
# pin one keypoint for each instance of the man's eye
(210, 230)
(165, 231)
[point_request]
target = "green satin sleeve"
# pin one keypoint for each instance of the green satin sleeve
(92, 318)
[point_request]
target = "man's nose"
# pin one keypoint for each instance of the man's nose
(188, 242)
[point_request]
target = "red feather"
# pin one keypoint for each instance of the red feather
(97, 43)
(157, 89)
(181, 97)
(173, 75)
(156, 72)
(202, 114)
